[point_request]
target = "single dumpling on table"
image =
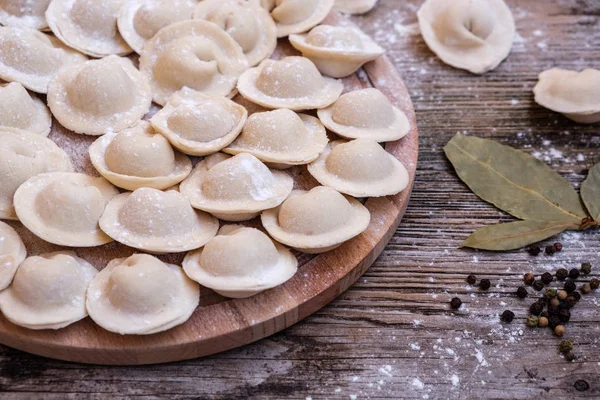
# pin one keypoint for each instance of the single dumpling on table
(20, 110)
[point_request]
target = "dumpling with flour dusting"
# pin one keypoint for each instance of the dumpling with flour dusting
(12, 253)
(21, 110)
(235, 188)
(24, 13)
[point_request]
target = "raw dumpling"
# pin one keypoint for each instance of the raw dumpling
(249, 25)
(281, 138)
(337, 51)
(475, 35)
(22, 111)
(365, 114)
(292, 82)
(33, 58)
(99, 96)
(360, 168)
(64, 208)
(574, 94)
(141, 295)
(24, 13)
(89, 26)
(197, 54)
(354, 6)
(297, 16)
(235, 188)
(23, 155)
(139, 157)
(240, 262)
(316, 221)
(158, 222)
(48, 291)
(139, 20)
(12, 254)
(199, 124)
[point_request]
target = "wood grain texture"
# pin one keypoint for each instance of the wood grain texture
(391, 335)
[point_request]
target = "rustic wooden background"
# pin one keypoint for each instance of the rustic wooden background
(392, 334)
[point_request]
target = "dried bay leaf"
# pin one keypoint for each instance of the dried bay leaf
(590, 192)
(514, 235)
(514, 181)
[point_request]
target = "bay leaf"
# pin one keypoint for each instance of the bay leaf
(514, 181)
(590, 192)
(514, 235)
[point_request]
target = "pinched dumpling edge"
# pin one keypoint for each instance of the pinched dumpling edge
(241, 286)
(34, 22)
(43, 118)
(337, 62)
(281, 160)
(392, 185)
(329, 93)
(399, 129)
(314, 244)
(318, 15)
(189, 96)
(26, 196)
(354, 6)
(15, 257)
(543, 97)
(205, 229)
(21, 314)
(97, 151)
(113, 319)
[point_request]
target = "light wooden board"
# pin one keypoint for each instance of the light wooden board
(221, 324)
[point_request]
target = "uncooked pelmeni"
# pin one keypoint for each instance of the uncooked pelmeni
(12, 254)
(33, 58)
(89, 26)
(365, 114)
(337, 51)
(157, 222)
(281, 138)
(196, 54)
(249, 25)
(574, 94)
(292, 82)
(24, 155)
(235, 188)
(99, 96)
(316, 221)
(354, 6)
(199, 124)
(475, 35)
(23, 111)
(360, 168)
(240, 262)
(64, 208)
(141, 295)
(48, 291)
(297, 16)
(139, 157)
(139, 20)
(24, 13)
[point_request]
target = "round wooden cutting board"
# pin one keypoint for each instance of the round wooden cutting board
(220, 324)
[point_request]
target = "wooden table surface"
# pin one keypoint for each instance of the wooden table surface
(392, 334)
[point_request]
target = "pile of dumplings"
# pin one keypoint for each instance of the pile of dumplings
(153, 194)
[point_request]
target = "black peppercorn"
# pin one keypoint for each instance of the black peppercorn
(581, 385)
(570, 286)
(570, 302)
(471, 279)
(565, 345)
(574, 273)
(544, 314)
(536, 308)
(559, 330)
(534, 250)
(576, 295)
(586, 288)
(561, 274)
(553, 321)
(569, 356)
(564, 315)
(546, 277)
(507, 316)
(538, 285)
(550, 249)
(528, 278)
(485, 284)
(455, 303)
(521, 292)
(586, 268)
(552, 310)
(558, 246)
(594, 283)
